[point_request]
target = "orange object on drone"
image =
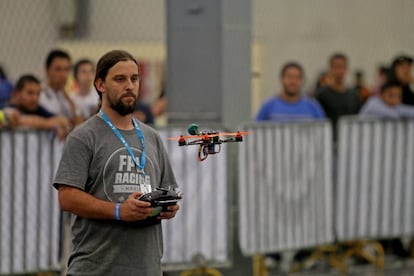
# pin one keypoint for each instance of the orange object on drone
(209, 141)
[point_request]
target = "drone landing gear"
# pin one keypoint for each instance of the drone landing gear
(206, 149)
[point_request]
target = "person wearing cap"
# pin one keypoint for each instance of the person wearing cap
(401, 73)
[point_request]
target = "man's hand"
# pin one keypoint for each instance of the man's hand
(172, 211)
(133, 209)
(59, 120)
(12, 116)
(62, 126)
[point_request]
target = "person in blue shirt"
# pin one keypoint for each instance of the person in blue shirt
(6, 88)
(290, 105)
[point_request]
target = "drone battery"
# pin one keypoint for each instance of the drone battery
(213, 149)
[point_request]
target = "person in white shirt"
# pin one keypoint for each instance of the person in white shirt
(53, 96)
(86, 98)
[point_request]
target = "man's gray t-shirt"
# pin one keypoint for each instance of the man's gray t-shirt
(95, 161)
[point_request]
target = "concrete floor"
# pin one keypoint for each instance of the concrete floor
(367, 271)
(392, 268)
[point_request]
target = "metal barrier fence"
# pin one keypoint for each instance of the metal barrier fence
(287, 197)
(374, 193)
(202, 224)
(285, 187)
(30, 215)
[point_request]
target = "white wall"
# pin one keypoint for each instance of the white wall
(27, 32)
(127, 20)
(29, 29)
(369, 32)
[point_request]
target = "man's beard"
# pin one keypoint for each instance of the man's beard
(291, 93)
(121, 107)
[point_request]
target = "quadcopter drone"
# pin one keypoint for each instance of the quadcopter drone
(209, 141)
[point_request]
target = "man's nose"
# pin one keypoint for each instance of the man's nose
(130, 84)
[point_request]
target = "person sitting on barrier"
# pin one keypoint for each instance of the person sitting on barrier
(107, 163)
(388, 104)
(26, 100)
(290, 104)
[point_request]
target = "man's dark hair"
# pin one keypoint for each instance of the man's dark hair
(390, 84)
(291, 65)
(21, 82)
(335, 56)
(79, 64)
(56, 53)
(107, 61)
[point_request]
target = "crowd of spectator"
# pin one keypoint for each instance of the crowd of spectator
(48, 105)
(390, 98)
(54, 104)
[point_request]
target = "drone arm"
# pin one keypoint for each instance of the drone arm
(233, 139)
(195, 142)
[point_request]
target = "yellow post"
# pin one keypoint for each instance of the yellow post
(201, 272)
(259, 266)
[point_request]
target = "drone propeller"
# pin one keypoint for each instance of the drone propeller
(181, 137)
(234, 133)
(187, 137)
(210, 135)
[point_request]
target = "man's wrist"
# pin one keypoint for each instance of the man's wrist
(118, 211)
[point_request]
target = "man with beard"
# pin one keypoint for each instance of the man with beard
(290, 105)
(114, 233)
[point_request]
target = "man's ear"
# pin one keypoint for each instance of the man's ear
(100, 86)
